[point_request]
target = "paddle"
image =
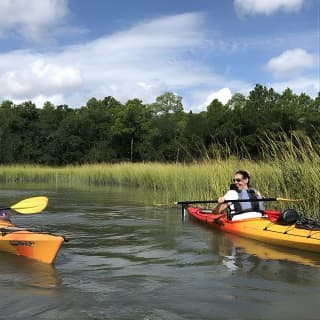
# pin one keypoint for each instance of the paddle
(237, 200)
(29, 205)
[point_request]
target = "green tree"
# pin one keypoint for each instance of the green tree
(167, 103)
(169, 127)
(131, 129)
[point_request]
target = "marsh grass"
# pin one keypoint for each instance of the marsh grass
(290, 169)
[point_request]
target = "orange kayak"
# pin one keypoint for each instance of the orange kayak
(261, 229)
(22, 242)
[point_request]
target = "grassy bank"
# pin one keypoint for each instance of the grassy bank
(290, 169)
(174, 182)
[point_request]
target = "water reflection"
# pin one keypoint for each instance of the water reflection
(128, 260)
(238, 253)
(268, 252)
(18, 271)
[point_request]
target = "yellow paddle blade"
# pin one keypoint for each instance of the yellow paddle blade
(292, 200)
(30, 205)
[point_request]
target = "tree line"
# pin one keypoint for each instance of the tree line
(108, 131)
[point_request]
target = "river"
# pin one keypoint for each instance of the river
(125, 259)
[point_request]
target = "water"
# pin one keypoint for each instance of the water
(127, 260)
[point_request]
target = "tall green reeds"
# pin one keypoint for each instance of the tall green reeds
(298, 163)
(290, 168)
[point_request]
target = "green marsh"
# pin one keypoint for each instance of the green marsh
(290, 169)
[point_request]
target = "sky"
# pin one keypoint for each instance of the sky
(68, 51)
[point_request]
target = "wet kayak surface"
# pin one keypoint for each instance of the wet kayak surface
(128, 260)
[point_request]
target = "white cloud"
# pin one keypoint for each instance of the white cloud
(223, 95)
(307, 85)
(290, 62)
(31, 19)
(152, 57)
(30, 75)
(266, 7)
(39, 100)
(145, 61)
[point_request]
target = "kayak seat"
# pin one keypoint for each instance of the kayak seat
(246, 215)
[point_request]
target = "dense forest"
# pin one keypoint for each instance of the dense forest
(109, 131)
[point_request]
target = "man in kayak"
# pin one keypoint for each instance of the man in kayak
(240, 190)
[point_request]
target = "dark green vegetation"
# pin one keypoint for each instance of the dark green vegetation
(108, 131)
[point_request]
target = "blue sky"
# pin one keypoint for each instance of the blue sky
(68, 51)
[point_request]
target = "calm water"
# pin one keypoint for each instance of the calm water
(127, 260)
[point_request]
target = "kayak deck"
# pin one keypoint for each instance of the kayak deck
(33, 245)
(261, 229)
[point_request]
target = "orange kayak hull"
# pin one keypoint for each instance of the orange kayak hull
(38, 246)
(261, 229)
